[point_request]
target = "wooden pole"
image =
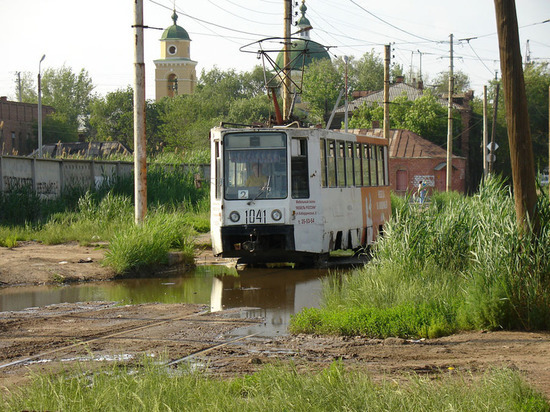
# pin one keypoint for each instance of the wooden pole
(449, 185)
(493, 130)
(140, 159)
(287, 96)
(517, 117)
(387, 54)
(485, 132)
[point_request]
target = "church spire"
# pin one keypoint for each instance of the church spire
(175, 17)
(303, 22)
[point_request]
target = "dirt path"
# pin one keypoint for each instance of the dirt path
(55, 336)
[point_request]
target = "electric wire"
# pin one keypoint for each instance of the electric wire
(239, 16)
(390, 24)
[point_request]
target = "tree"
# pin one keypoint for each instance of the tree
(424, 116)
(461, 82)
(112, 117)
(320, 88)
(537, 81)
(29, 90)
(68, 93)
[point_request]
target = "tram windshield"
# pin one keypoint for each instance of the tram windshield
(255, 165)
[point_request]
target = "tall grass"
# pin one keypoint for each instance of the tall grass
(138, 246)
(274, 388)
(458, 263)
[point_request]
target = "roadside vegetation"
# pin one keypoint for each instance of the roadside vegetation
(177, 210)
(455, 264)
(153, 387)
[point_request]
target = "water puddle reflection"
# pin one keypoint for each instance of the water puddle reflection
(273, 294)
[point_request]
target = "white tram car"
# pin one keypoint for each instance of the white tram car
(296, 194)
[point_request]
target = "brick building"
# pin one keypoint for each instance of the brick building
(414, 159)
(16, 126)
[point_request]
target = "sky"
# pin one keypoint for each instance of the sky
(97, 36)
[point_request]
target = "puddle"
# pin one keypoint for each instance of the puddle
(272, 294)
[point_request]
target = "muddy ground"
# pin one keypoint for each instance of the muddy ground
(56, 336)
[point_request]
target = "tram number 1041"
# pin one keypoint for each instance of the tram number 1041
(255, 216)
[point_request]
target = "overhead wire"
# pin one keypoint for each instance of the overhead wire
(390, 24)
(196, 19)
(239, 16)
(255, 11)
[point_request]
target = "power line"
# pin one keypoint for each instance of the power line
(390, 24)
(239, 16)
(211, 23)
(255, 11)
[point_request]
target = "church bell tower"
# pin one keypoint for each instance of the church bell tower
(175, 72)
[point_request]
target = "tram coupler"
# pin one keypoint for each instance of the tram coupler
(251, 245)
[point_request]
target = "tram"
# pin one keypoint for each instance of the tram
(290, 194)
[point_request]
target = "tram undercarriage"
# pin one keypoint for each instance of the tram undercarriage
(260, 244)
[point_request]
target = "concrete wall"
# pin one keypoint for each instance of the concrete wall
(49, 177)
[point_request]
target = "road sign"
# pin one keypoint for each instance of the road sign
(491, 158)
(494, 145)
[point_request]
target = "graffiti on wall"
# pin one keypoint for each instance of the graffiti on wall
(14, 183)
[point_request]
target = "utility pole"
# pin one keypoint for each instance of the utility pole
(450, 122)
(287, 98)
(485, 133)
(387, 56)
(493, 131)
(19, 90)
(346, 96)
(140, 159)
(517, 118)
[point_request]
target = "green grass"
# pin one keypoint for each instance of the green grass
(152, 387)
(456, 264)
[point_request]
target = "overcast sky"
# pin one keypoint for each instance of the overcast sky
(97, 35)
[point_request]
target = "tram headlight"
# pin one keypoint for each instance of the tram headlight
(234, 216)
(276, 215)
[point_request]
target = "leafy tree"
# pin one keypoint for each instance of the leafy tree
(424, 116)
(461, 82)
(112, 117)
(537, 81)
(56, 128)
(252, 110)
(320, 88)
(68, 93)
(29, 88)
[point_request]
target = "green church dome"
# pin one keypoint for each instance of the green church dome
(175, 32)
(313, 51)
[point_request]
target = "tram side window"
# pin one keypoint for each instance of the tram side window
(299, 169)
(366, 165)
(380, 164)
(323, 163)
(331, 160)
(372, 163)
(219, 183)
(358, 165)
(350, 164)
(340, 162)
